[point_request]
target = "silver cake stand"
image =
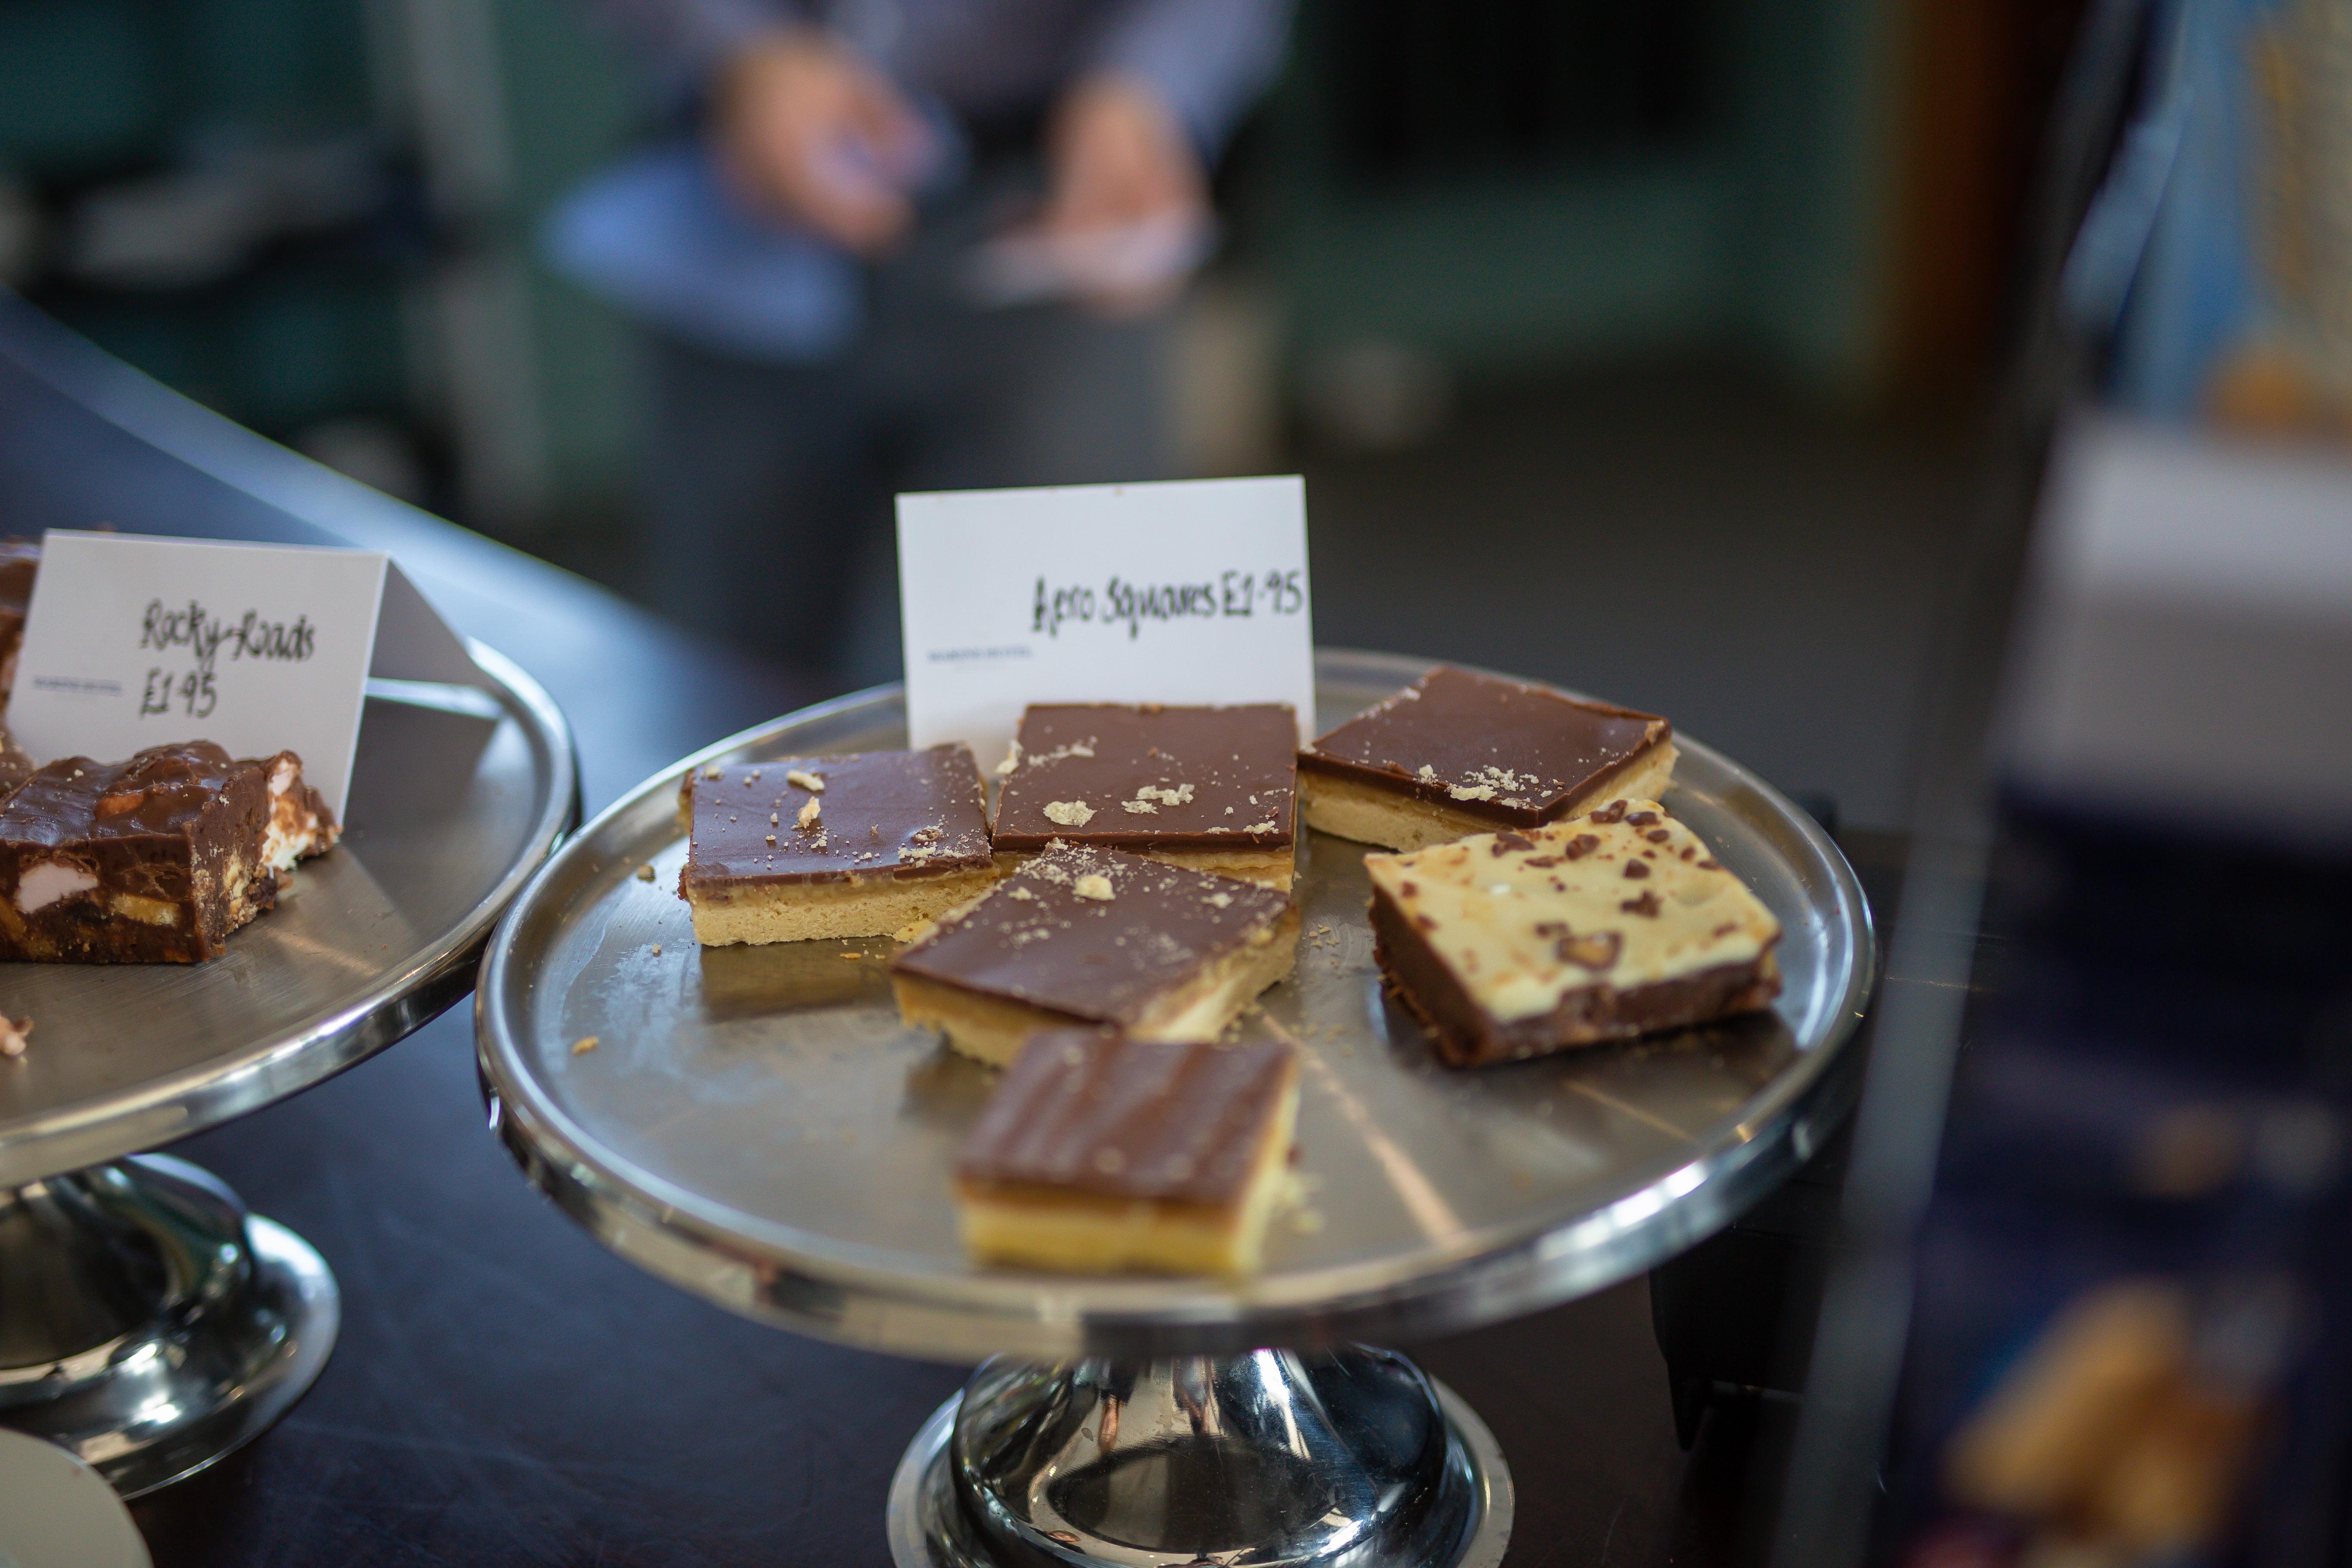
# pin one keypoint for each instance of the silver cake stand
(147, 1321)
(755, 1125)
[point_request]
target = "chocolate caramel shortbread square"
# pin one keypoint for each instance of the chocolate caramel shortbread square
(1210, 788)
(1459, 752)
(863, 845)
(1085, 935)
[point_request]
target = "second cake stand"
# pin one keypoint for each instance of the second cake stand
(147, 1320)
(756, 1125)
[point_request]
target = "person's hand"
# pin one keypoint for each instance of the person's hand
(1123, 168)
(806, 129)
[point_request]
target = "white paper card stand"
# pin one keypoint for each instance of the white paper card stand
(1191, 592)
(133, 641)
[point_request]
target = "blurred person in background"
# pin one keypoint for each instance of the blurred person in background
(904, 245)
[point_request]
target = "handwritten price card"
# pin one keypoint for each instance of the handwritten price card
(133, 642)
(1188, 593)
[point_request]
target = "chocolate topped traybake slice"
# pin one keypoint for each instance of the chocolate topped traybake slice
(815, 846)
(153, 860)
(1095, 936)
(1459, 752)
(1614, 924)
(1205, 787)
(1101, 1153)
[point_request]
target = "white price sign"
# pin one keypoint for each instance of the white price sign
(133, 642)
(1191, 592)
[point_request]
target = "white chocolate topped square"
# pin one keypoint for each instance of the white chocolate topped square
(1624, 897)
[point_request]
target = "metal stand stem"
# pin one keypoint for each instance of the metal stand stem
(149, 1324)
(1271, 1458)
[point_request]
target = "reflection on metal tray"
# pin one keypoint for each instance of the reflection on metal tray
(757, 1125)
(457, 794)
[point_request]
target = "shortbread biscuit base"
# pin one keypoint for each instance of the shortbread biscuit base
(1347, 808)
(877, 905)
(992, 1028)
(1040, 1227)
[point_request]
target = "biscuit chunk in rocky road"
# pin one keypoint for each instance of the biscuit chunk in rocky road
(863, 845)
(1099, 1152)
(1458, 752)
(1209, 788)
(1614, 924)
(155, 860)
(1082, 935)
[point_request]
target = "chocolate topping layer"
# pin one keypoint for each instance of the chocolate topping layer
(157, 859)
(1151, 777)
(896, 814)
(1088, 1112)
(1499, 749)
(1090, 933)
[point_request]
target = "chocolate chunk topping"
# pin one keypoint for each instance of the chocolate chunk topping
(1657, 835)
(1635, 869)
(869, 798)
(1612, 813)
(1508, 840)
(1151, 777)
(1647, 904)
(1581, 846)
(1595, 949)
(1642, 819)
(1088, 1112)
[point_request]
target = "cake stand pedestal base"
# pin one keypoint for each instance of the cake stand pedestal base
(148, 1322)
(1274, 1459)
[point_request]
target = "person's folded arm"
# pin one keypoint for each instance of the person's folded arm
(1206, 59)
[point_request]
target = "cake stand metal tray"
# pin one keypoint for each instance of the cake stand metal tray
(146, 1320)
(755, 1124)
